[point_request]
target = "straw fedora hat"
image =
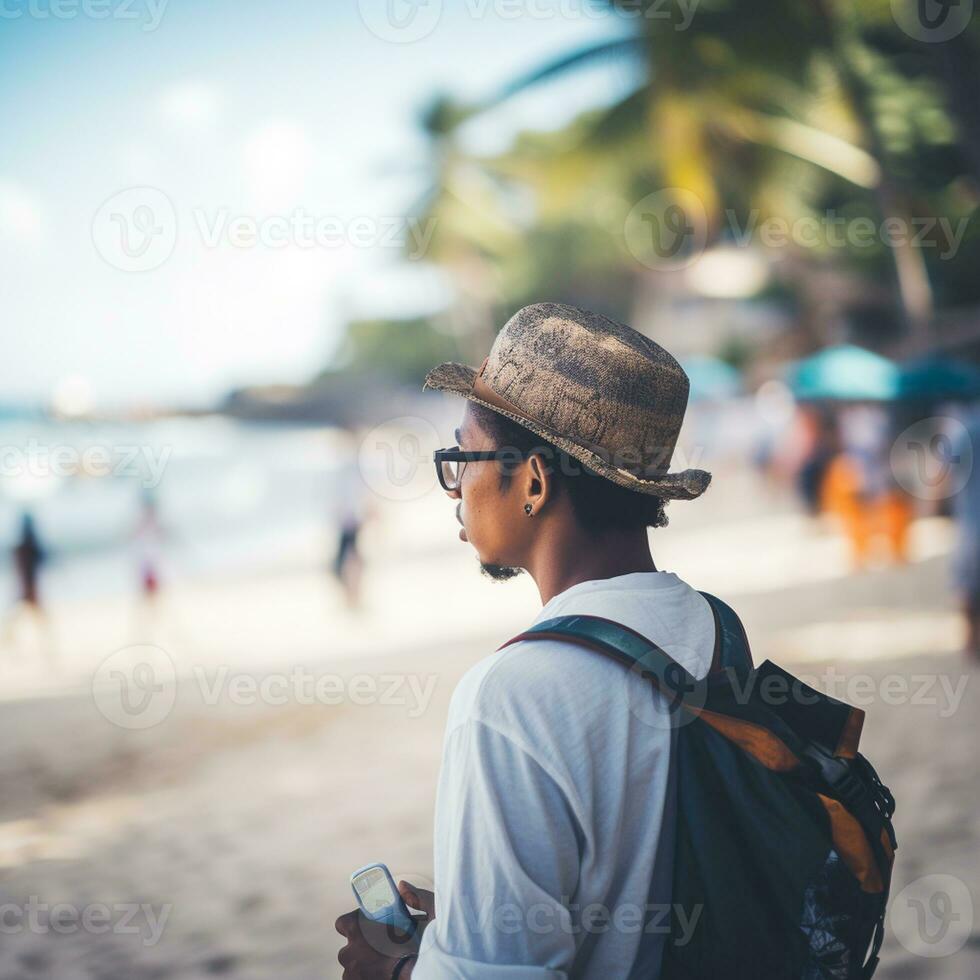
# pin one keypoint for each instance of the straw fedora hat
(597, 389)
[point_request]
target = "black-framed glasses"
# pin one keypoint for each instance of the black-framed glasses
(450, 462)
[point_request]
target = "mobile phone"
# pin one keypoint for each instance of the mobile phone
(378, 898)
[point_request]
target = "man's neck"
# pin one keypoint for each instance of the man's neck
(582, 559)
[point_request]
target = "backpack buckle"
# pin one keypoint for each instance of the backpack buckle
(855, 783)
(844, 783)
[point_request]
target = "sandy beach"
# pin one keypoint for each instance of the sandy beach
(298, 740)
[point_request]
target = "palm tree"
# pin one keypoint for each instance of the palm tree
(465, 204)
(753, 75)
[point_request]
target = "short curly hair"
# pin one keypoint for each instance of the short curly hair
(597, 503)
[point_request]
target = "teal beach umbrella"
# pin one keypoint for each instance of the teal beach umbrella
(844, 373)
(936, 378)
(711, 378)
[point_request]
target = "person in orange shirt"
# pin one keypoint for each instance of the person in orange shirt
(842, 494)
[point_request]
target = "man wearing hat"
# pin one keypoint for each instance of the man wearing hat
(554, 830)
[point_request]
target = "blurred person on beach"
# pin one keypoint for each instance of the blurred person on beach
(350, 512)
(815, 432)
(842, 497)
(887, 512)
(858, 488)
(553, 795)
(147, 547)
(155, 619)
(28, 557)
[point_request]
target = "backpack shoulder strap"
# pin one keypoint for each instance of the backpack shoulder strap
(732, 649)
(629, 648)
(715, 697)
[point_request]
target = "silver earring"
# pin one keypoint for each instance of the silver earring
(527, 509)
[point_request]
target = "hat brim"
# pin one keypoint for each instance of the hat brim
(683, 485)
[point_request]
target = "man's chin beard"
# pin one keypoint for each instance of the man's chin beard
(499, 573)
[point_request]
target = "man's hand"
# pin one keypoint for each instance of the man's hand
(373, 949)
(418, 898)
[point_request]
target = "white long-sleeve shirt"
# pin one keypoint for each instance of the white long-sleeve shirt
(553, 829)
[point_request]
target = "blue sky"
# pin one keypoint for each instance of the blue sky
(234, 109)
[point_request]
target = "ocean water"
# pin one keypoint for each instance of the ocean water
(231, 497)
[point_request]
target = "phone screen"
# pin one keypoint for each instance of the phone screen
(374, 891)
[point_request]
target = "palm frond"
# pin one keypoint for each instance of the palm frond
(606, 52)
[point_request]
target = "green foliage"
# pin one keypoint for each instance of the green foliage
(571, 263)
(399, 350)
(802, 109)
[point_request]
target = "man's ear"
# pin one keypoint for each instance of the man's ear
(539, 486)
